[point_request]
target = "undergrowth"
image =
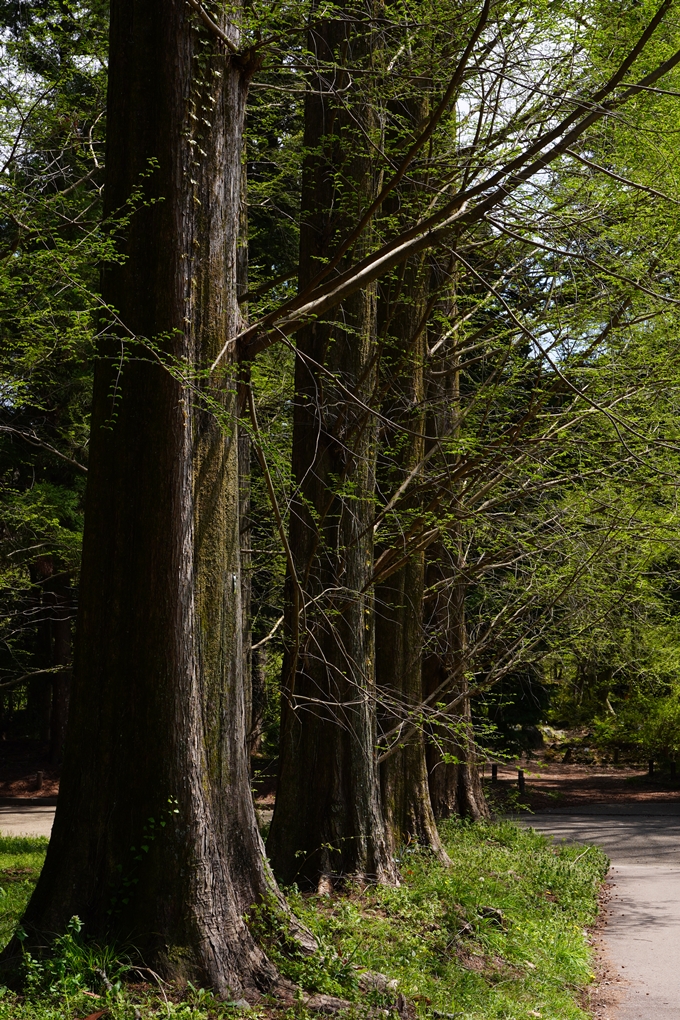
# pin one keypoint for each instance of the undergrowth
(501, 935)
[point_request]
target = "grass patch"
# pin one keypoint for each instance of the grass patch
(500, 936)
(21, 858)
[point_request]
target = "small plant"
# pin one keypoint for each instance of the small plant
(325, 971)
(72, 965)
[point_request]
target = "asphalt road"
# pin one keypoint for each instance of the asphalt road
(26, 819)
(642, 937)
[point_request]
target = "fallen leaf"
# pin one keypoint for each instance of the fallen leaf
(95, 1016)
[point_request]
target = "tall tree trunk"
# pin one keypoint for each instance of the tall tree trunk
(399, 598)
(455, 782)
(244, 456)
(328, 819)
(258, 699)
(246, 538)
(155, 833)
(404, 773)
(40, 690)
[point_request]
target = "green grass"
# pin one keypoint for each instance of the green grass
(439, 934)
(500, 936)
(21, 858)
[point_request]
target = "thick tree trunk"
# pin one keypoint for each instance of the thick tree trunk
(244, 456)
(40, 690)
(399, 598)
(155, 834)
(404, 774)
(455, 783)
(245, 531)
(328, 820)
(258, 699)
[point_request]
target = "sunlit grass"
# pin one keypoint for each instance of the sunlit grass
(498, 935)
(21, 858)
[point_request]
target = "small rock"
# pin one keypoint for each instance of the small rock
(326, 1004)
(325, 886)
(373, 981)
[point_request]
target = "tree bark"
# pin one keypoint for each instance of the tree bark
(62, 615)
(455, 783)
(40, 689)
(328, 819)
(155, 835)
(258, 699)
(404, 775)
(399, 598)
(245, 531)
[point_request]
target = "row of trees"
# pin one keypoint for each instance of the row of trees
(466, 455)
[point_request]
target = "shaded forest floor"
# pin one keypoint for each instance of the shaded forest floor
(26, 771)
(549, 785)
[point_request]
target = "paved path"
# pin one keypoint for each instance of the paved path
(643, 931)
(26, 819)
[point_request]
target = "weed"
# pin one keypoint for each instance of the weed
(73, 965)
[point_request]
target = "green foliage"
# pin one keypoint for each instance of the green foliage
(53, 78)
(72, 966)
(660, 733)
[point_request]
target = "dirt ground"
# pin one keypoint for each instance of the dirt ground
(21, 763)
(603, 997)
(549, 785)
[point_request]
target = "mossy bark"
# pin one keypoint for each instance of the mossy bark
(328, 819)
(155, 837)
(404, 775)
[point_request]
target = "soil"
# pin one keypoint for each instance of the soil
(21, 762)
(549, 785)
(602, 998)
